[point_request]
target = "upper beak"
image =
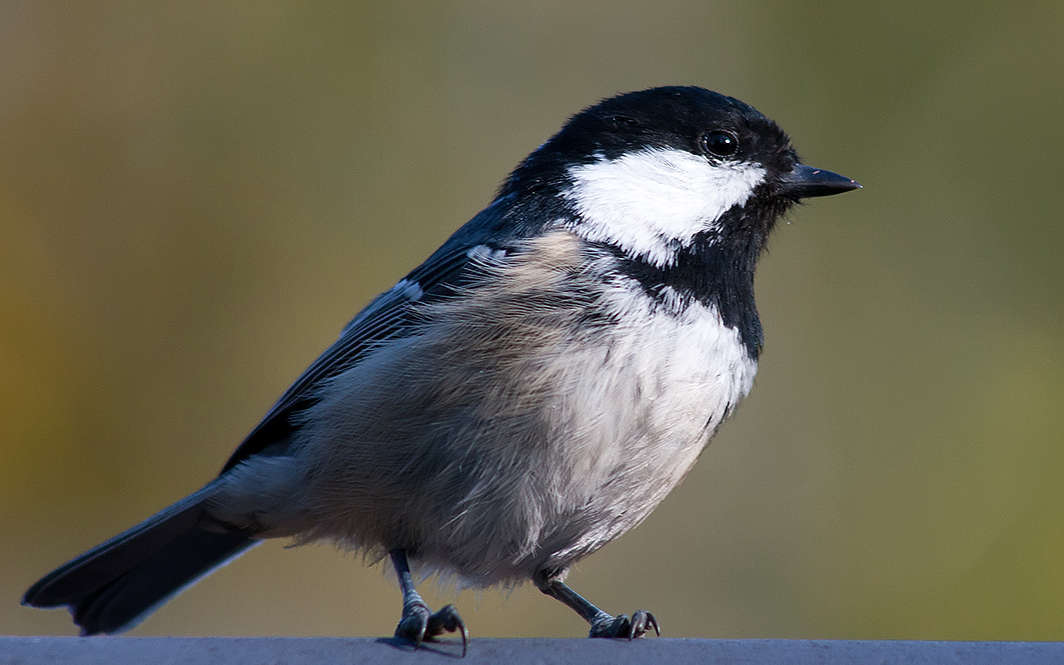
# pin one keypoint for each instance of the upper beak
(804, 181)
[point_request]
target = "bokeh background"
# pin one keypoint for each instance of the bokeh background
(195, 196)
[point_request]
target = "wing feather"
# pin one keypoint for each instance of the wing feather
(389, 316)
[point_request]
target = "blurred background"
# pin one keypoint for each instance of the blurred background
(196, 196)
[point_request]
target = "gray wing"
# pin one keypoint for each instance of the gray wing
(389, 316)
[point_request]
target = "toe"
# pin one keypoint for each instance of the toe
(608, 626)
(641, 622)
(413, 624)
(448, 620)
(622, 626)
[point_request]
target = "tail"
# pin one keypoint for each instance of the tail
(113, 586)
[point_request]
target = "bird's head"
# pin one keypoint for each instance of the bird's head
(659, 171)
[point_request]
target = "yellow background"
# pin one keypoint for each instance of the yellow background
(195, 196)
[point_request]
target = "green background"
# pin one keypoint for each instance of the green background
(194, 198)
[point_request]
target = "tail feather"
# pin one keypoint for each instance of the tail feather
(112, 586)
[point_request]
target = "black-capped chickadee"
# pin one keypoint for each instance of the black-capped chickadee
(529, 393)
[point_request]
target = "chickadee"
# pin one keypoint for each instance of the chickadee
(526, 395)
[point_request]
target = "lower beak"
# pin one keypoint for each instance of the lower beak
(805, 181)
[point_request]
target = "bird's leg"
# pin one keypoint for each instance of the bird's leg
(602, 623)
(418, 622)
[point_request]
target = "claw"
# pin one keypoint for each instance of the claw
(652, 621)
(622, 626)
(447, 619)
(641, 620)
(413, 623)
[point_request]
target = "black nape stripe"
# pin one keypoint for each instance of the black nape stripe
(716, 270)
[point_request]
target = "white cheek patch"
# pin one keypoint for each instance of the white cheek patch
(653, 202)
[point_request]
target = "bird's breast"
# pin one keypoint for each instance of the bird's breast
(528, 422)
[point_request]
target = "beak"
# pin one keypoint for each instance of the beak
(804, 181)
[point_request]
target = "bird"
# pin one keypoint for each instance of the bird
(529, 393)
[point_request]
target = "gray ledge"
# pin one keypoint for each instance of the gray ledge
(370, 651)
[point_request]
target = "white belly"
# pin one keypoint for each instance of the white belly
(642, 408)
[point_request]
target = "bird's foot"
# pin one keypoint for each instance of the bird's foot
(419, 624)
(622, 626)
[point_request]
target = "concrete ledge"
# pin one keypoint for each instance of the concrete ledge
(371, 651)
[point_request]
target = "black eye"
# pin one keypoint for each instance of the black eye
(720, 143)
